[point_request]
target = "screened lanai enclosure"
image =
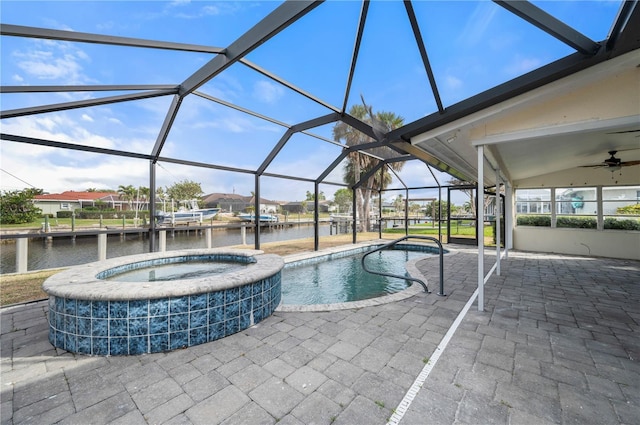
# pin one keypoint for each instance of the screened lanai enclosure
(281, 98)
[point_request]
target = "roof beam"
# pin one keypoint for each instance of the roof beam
(358, 125)
(364, 179)
(263, 117)
(58, 89)
(332, 166)
(204, 165)
(72, 146)
(166, 126)
(423, 53)
(290, 132)
(240, 109)
(287, 84)
(285, 15)
(625, 26)
(558, 29)
(354, 56)
(429, 159)
(83, 37)
(13, 113)
(379, 165)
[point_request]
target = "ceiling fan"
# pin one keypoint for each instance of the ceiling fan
(612, 163)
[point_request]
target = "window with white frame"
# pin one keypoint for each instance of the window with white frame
(577, 207)
(533, 207)
(621, 207)
(609, 207)
(533, 201)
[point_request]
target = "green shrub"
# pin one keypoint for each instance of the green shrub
(64, 214)
(534, 220)
(621, 224)
(577, 222)
(17, 207)
(110, 213)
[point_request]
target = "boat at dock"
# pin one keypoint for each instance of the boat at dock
(264, 218)
(187, 215)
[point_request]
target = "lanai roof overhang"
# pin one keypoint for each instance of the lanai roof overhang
(444, 139)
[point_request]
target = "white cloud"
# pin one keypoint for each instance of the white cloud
(86, 117)
(476, 27)
(453, 82)
(105, 26)
(53, 61)
(520, 65)
(211, 10)
(268, 92)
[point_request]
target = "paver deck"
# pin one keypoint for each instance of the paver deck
(558, 342)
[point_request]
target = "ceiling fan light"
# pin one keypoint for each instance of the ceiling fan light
(614, 168)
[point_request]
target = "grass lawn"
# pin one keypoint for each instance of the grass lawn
(20, 288)
(427, 229)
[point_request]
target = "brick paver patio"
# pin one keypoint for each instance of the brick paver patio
(558, 342)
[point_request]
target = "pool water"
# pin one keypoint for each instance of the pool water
(177, 271)
(343, 279)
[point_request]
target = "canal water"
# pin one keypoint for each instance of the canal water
(65, 252)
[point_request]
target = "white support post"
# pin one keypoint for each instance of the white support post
(554, 218)
(22, 254)
(102, 246)
(162, 241)
(480, 218)
(208, 237)
(498, 213)
(600, 210)
(508, 219)
(243, 233)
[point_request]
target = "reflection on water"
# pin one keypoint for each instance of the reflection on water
(64, 252)
(344, 279)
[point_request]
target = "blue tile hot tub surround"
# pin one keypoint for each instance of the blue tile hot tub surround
(219, 306)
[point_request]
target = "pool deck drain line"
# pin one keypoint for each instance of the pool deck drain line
(424, 374)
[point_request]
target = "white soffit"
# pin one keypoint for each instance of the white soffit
(560, 130)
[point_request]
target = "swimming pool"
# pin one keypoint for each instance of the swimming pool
(339, 278)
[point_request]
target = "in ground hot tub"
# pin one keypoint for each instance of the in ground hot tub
(98, 308)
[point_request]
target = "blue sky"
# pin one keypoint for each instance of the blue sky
(472, 46)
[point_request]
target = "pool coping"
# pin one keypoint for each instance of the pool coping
(412, 269)
(80, 282)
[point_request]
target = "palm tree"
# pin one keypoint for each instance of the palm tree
(359, 164)
(398, 203)
(143, 193)
(127, 193)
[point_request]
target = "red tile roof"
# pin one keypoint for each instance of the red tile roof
(70, 195)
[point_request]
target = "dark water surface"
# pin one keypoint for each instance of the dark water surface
(64, 252)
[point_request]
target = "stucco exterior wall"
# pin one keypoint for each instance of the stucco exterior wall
(613, 96)
(52, 208)
(605, 243)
